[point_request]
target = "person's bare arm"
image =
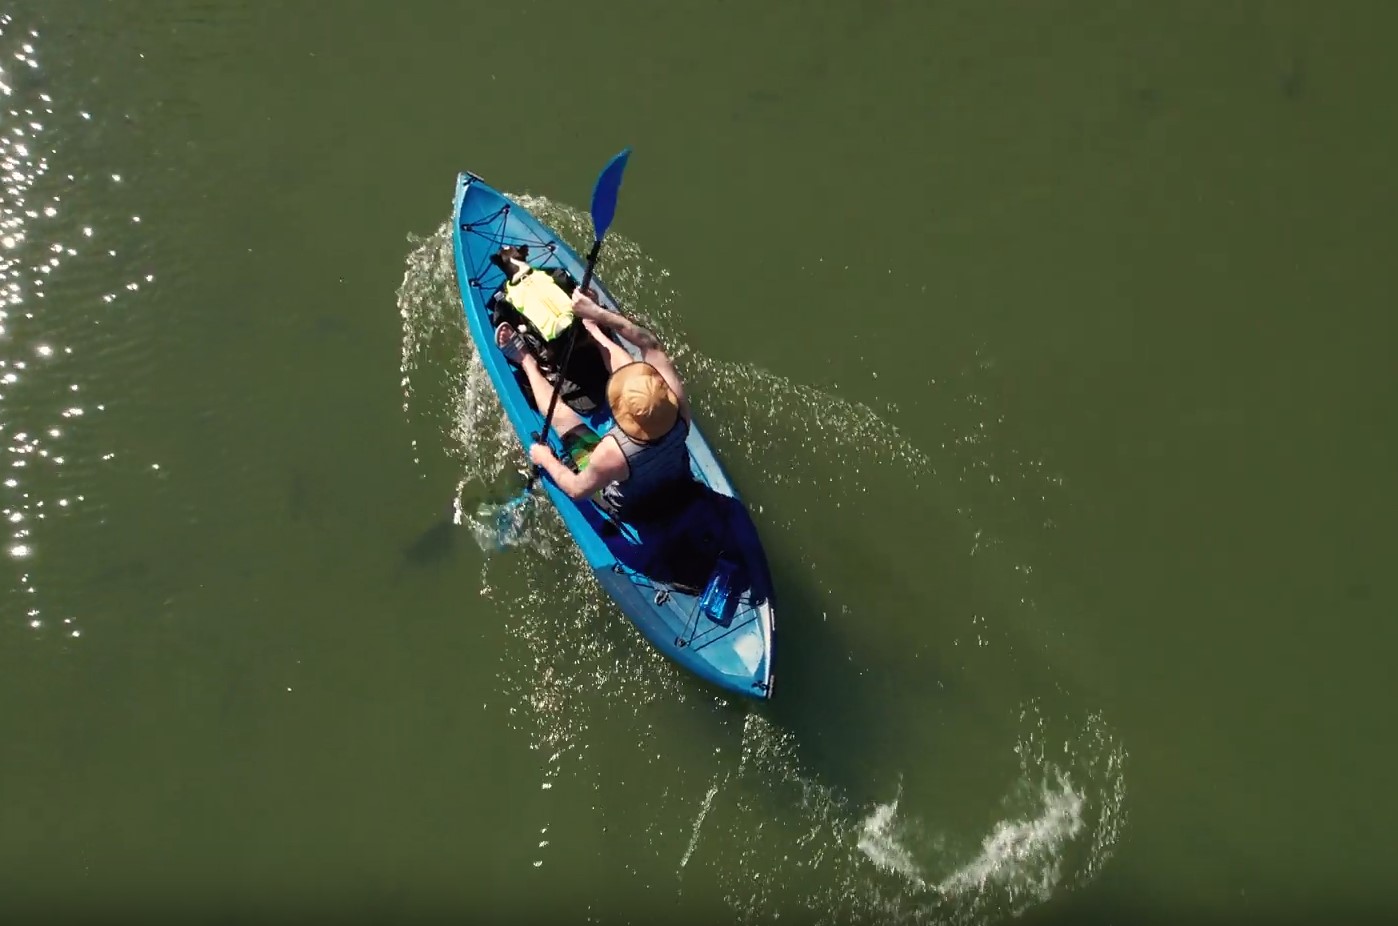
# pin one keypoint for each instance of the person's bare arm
(649, 344)
(606, 464)
(614, 354)
(584, 307)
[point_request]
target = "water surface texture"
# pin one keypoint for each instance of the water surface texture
(1050, 345)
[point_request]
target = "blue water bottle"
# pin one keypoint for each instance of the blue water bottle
(718, 593)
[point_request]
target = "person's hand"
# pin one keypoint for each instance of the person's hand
(540, 454)
(584, 305)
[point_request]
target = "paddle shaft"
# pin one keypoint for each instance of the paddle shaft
(542, 436)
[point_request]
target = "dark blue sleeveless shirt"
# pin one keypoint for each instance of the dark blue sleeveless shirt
(655, 467)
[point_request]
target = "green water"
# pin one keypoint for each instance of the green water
(1048, 343)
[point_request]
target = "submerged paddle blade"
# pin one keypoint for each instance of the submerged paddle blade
(497, 527)
(605, 192)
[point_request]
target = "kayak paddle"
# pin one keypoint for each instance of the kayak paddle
(604, 197)
(604, 194)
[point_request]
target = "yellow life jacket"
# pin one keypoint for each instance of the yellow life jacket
(543, 302)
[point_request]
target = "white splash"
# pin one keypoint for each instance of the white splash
(878, 839)
(1021, 861)
(1024, 854)
(699, 822)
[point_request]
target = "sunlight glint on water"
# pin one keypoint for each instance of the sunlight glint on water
(47, 257)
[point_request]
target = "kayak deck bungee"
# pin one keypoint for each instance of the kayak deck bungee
(693, 580)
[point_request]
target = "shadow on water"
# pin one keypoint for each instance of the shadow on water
(304, 499)
(845, 709)
(433, 546)
(1293, 79)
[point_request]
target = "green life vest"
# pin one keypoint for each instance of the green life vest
(543, 302)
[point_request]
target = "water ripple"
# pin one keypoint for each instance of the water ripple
(46, 230)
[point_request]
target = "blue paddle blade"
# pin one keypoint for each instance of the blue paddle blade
(498, 527)
(605, 192)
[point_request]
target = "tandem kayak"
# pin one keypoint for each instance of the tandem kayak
(693, 578)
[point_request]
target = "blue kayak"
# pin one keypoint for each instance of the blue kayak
(692, 578)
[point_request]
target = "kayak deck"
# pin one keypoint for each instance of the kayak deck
(656, 570)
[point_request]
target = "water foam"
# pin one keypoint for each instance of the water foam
(699, 822)
(879, 839)
(1022, 860)
(1024, 855)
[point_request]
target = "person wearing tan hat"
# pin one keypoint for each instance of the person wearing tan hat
(642, 458)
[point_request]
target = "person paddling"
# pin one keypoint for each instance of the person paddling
(643, 459)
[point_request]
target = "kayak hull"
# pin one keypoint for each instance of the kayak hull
(655, 571)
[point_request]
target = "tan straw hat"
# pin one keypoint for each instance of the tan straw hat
(642, 402)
